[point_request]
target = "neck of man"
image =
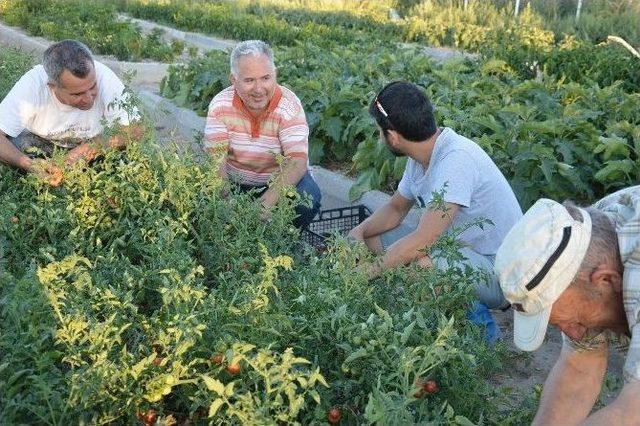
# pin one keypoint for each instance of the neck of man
(422, 151)
(255, 113)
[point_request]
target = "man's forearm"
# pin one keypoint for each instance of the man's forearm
(572, 388)
(382, 220)
(625, 410)
(12, 156)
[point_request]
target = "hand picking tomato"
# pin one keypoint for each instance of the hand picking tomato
(234, 368)
(334, 415)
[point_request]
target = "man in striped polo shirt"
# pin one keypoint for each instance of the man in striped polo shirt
(253, 123)
(578, 269)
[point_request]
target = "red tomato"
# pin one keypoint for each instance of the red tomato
(334, 415)
(217, 359)
(430, 386)
(150, 417)
(158, 361)
(234, 368)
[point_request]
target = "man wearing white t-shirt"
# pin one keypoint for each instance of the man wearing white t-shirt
(63, 103)
(440, 162)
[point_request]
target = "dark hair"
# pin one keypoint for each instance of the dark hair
(67, 55)
(409, 111)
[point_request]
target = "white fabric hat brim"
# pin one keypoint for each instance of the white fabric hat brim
(529, 330)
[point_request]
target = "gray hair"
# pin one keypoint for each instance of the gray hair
(67, 55)
(249, 47)
(603, 247)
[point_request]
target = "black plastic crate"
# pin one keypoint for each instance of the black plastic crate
(341, 220)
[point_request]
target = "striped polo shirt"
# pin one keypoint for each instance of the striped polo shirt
(253, 144)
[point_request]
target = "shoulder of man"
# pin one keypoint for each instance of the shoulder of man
(289, 105)
(103, 73)
(224, 99)
(35, 79)
(629, 197)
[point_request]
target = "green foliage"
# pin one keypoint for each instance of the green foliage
(13, 63)
(94, 24)
(121, 286)
(604, 64)
(598, 19)
(544, 133)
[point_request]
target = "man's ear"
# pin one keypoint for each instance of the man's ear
(606, 275)
(393, 137)
(232, 78)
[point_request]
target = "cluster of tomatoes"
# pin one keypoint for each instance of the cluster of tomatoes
(233, 368)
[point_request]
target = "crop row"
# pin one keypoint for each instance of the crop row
(138, 289)
(550, 136)
(93, 23)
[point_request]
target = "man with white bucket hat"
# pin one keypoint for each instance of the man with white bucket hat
(578, 269)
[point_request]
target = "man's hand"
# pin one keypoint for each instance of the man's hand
(83, 151)
(265, 214)
(356, 235)
(46, 171)
(369, 269)
(116, 142)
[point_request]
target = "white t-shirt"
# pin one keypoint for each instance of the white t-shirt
(470, 179)
(31, 105)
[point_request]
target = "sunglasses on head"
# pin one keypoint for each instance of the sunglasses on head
(382, 111)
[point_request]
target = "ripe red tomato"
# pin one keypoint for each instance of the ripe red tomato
(158, 360)
(430, 386)
(234, 368)
(217, 359)
(150, 417)
(334, 415)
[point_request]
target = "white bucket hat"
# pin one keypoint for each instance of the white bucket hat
(536, 262)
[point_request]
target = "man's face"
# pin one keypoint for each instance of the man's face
(75, 91)
(575, 312)
(255, 82)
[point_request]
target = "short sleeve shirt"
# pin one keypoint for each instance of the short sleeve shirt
(31, 105)
(465, 175)
(253, 144)
(623, 208)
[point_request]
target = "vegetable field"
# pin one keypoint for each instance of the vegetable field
(142, 291)
(136, 287)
